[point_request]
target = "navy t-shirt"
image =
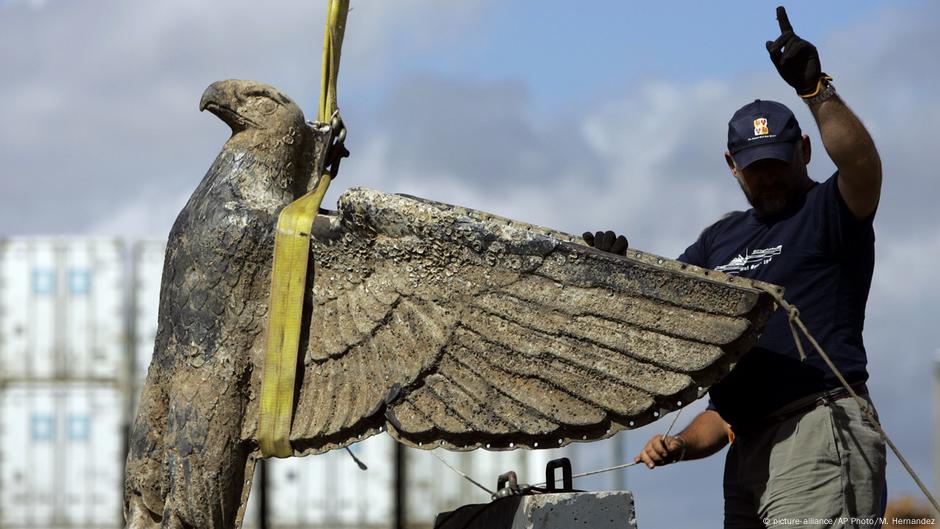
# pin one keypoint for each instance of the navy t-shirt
(824, 258)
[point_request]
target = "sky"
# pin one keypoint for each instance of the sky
(611, 116)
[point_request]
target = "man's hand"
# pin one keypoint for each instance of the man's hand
(607, 241)
(796, 59)
(705, 435)
(662, 450)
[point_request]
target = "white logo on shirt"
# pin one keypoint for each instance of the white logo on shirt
(750, 260)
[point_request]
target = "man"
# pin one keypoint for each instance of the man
(802, 454)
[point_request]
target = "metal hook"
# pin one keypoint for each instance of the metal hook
(336, 149)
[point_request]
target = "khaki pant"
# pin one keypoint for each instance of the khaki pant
(825, 468)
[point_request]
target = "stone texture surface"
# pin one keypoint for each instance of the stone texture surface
(452, 327)
(189, 463)
(445, 326)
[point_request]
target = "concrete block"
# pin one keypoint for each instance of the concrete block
(575, 510)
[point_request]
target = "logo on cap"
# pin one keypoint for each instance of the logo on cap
(760, 127)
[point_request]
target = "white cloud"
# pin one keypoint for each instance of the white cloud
(907, 269)
(99, 98)
(148, 215)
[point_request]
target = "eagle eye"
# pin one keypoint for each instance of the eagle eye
(266, 102)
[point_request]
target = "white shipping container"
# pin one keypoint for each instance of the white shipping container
(329, 490)
(250, 520)
(62, 309)
(148, 272)
(61, 455)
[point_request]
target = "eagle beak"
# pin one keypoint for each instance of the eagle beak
(213, 96)
(222, 99)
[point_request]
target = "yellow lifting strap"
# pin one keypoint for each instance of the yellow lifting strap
(289, 275)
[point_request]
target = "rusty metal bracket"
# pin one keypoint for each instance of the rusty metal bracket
(507, 485)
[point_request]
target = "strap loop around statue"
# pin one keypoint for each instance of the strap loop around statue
(291, 256)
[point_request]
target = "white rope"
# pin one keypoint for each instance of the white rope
(794, 316)
(575, 476)
(464, 476)
(617, 467)
(673, 423)
(591, 473)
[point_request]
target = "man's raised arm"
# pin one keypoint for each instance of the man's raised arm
(847, 142)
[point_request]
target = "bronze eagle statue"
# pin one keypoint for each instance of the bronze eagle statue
(444, 326)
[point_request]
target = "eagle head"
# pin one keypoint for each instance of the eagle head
(266, 124)
(250, 105)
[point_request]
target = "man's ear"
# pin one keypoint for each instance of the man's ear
(807, 148)
(730, 161)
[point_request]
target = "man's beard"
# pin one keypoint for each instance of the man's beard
(769, 204)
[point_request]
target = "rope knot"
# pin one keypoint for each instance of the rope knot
(793, 313)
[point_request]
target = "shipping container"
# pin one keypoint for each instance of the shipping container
(147, 272)
(329, 490)
(61, 455)
(62, 310)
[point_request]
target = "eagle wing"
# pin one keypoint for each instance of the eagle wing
(452, 327)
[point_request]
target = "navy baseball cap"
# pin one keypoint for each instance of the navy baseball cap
(760, 130)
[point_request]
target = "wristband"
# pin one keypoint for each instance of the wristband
(821, 95)
(681, 442)
(821, 84)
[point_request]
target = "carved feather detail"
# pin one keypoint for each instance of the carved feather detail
(455, 328)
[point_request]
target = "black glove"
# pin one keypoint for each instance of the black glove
(607, 241)
(796, 59)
